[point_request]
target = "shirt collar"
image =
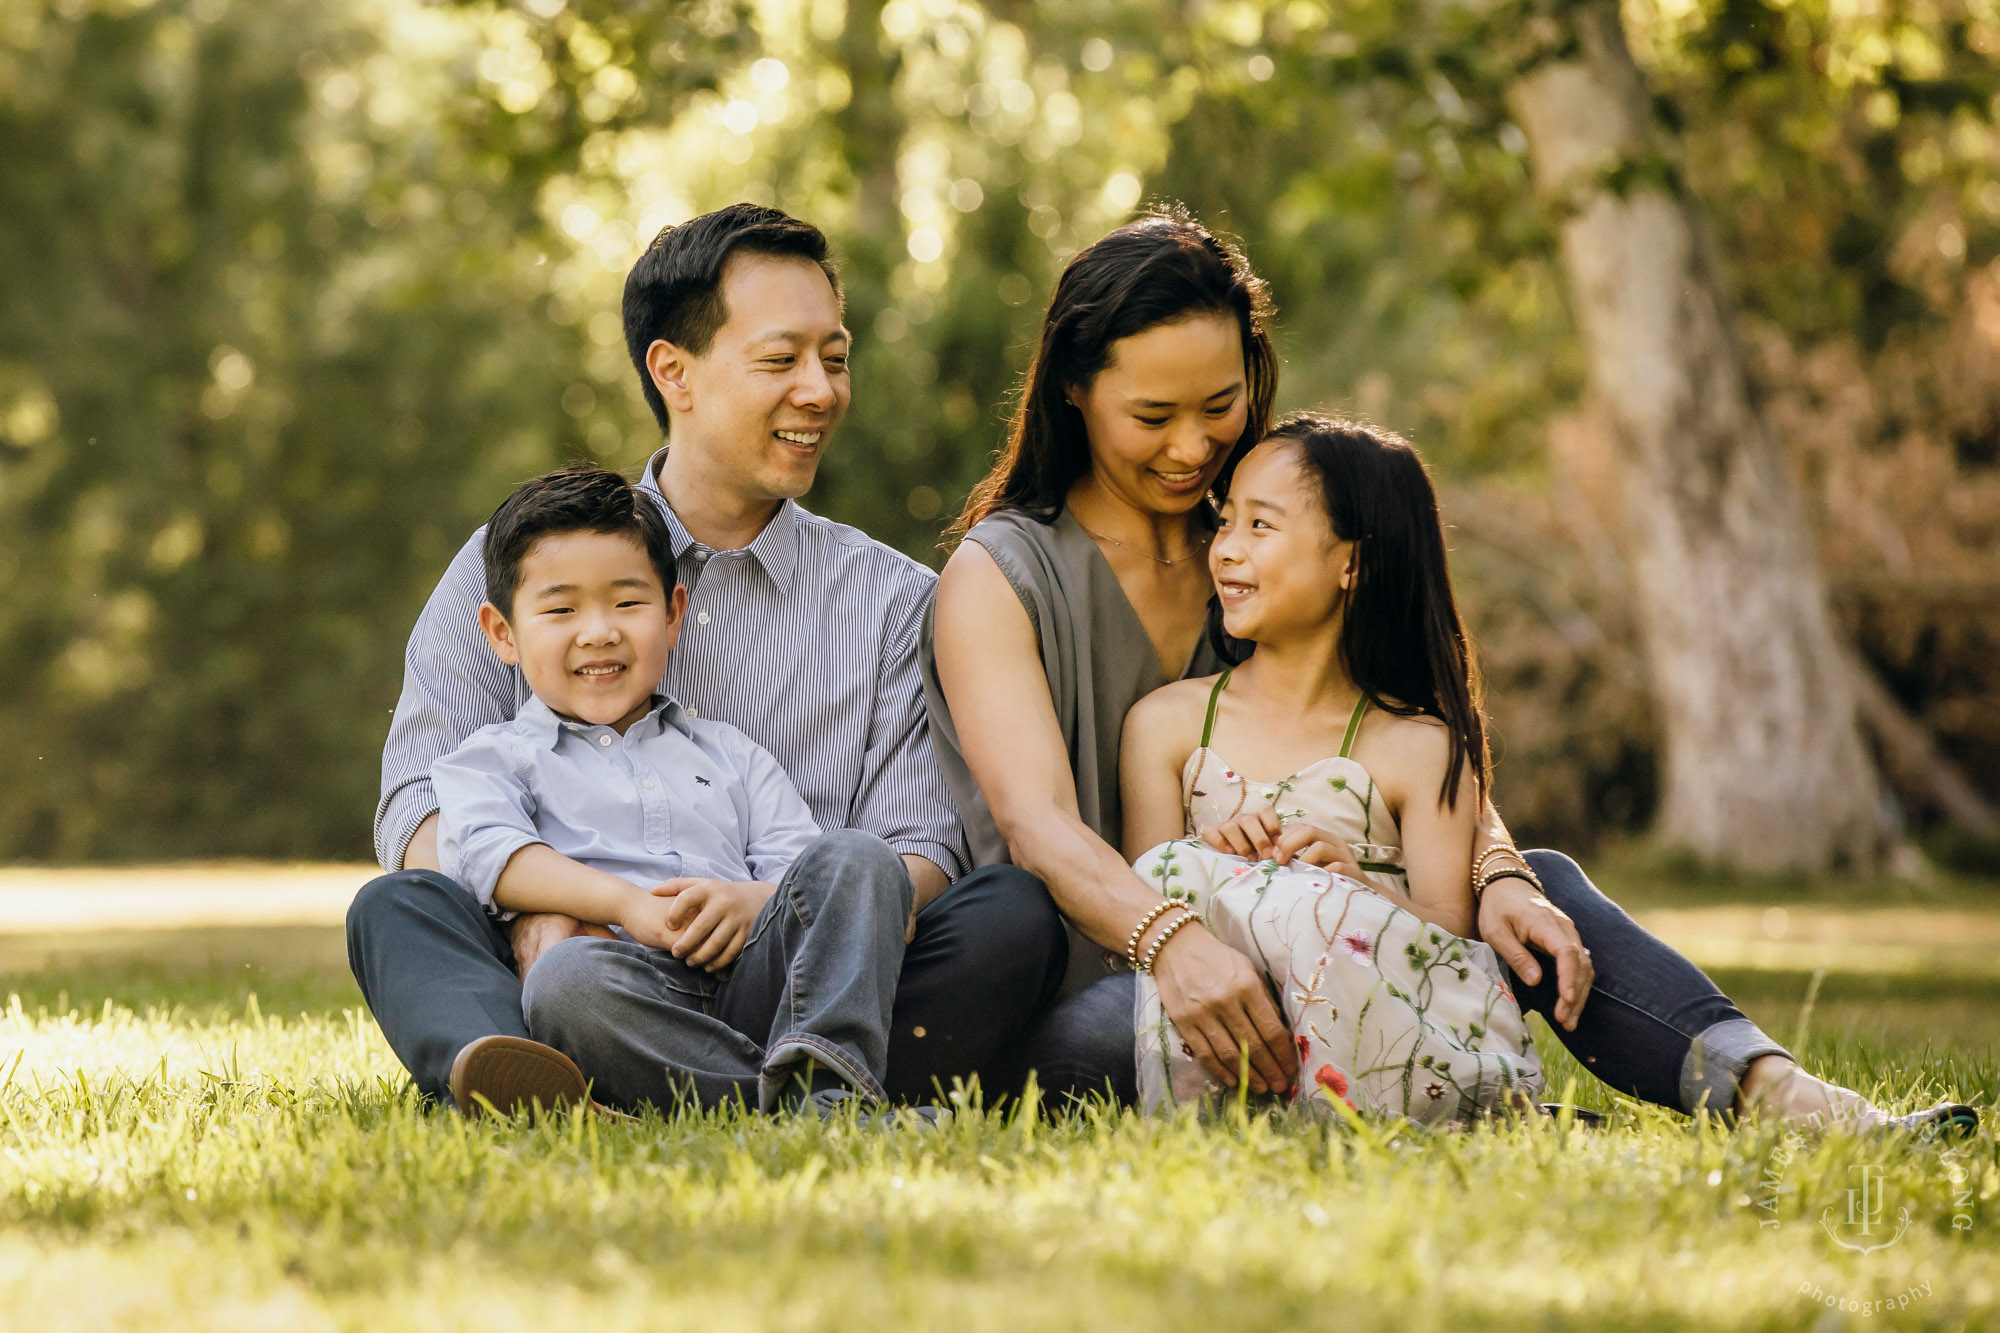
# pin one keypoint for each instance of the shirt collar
(775, 549)
(545, 726)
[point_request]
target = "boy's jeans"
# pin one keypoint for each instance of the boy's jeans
(816, 982)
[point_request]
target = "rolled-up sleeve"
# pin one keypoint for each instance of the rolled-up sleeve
(781, 824)
(485, 811)
(902, 797)
(452, 686)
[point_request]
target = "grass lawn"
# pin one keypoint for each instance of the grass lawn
(202, 1129)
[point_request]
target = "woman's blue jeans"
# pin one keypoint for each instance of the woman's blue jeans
(1654, 1027)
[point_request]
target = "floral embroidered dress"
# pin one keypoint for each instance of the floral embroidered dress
(1391, 1014)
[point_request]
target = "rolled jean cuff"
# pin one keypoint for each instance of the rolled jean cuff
(784, 1059)
(1715, 1064)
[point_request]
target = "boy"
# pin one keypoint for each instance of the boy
(778, 947)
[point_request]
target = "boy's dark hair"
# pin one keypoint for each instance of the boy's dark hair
(580, 498)
(674, 292)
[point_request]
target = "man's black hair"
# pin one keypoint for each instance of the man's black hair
(674, 292)
(580, 498)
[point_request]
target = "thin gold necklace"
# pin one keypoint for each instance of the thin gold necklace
(1127, 546)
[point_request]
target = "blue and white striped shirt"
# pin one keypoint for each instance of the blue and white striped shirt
(805, 640)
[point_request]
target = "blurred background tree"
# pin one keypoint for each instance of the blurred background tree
(296, 292)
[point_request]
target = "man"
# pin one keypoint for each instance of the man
(800, 632)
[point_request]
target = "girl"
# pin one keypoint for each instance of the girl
(1354, 677)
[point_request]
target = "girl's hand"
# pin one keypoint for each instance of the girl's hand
(1258, 835)
(1221, 1006)
(1317, 847)
(1253, 835)
(713, 918)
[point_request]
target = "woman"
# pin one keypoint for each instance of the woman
(1080, 586)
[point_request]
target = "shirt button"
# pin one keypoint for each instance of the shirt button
(693, 712)
(604, 740)
(701, 618)
(647, 784)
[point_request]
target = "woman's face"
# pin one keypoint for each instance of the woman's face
(1277, 566)
(1165, 411)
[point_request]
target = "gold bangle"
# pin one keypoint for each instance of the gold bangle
(1139, 931)
(1165, 935)
(1497, 849)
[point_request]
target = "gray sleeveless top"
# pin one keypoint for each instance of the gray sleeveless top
(1098, 661)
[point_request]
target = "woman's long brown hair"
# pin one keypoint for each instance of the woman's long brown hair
(1161, 269)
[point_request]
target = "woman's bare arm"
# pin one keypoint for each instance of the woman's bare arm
(1155, 748)
(990, 666)
(1513, 915)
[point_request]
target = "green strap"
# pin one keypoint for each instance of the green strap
(1214, 698)
(1353, 724)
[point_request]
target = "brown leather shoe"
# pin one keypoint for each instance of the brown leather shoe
(512, 1074)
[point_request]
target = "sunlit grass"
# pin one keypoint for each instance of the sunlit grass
(216, 1148)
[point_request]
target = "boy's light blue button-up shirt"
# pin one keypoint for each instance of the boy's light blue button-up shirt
(675, 795)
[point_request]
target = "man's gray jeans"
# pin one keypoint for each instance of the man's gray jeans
(816, 982)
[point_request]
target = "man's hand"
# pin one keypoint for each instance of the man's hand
(533, 932)
(1513, 915)
(711, 918)
(1220, 1004)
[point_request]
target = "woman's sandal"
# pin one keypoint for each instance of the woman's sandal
(1953, 1120)
(1589, 1119)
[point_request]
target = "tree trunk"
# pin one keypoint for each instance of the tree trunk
(1764, 765)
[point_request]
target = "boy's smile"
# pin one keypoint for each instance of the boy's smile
(590, 628)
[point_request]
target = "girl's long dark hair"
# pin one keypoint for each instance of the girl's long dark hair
(1402, 642)
(1160, 269)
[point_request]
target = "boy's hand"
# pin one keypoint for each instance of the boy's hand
(645, 919)
(712, 918)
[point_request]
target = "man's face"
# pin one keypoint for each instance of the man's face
(760, 406)
(590, 627)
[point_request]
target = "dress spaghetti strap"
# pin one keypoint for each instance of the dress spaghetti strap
(1214, 698)
(1353, 724)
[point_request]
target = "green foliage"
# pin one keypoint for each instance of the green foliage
(296, 291)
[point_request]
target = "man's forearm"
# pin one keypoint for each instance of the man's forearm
(540, 879)
(928, 880)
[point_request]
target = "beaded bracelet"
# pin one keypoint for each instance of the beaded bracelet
(1165, 935)
(1480, 885)
(1482, 878)
(1139, 931)
(1497, 849)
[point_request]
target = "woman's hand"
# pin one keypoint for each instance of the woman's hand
(1258, 835)
(1221, 1006)
(1513, 914)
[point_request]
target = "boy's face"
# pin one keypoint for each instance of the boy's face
(590, 628)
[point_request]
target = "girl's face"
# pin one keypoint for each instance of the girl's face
(1277, 566)
(1165, 411)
